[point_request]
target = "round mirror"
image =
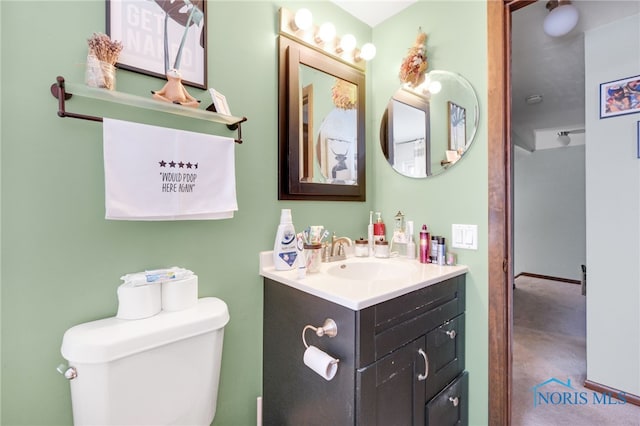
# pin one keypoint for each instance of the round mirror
(425, 130)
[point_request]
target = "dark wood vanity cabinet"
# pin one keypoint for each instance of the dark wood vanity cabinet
(401, 361)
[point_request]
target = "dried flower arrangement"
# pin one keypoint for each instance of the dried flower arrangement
(102, 57)
(103, 48)
(343, 94)
(414, 65)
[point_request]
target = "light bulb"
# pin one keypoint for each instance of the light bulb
(327, 32)
(348, 43)
(368, 51)
(435, 87)
(563, 138)
(303, 19)
(560, 20)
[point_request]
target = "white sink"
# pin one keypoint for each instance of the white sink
(370, 270)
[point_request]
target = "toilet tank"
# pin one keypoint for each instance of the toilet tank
(162, 370)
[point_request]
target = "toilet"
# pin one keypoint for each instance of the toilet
(161, 370)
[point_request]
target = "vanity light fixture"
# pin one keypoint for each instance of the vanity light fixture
(299, 26)
(562, 18)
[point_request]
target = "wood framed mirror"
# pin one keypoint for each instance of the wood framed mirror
(321, 113)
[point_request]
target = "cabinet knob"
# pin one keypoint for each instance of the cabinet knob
(454, 400)
(424, 376)
(451, 334)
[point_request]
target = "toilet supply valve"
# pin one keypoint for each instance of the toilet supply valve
(329, 328)
(69, 373)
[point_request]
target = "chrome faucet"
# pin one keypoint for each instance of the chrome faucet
(339, 254)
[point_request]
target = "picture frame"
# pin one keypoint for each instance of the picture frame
(219, 102)
(160, 35)
(338, 160)
(620, 97)
(638, 137)
(457, 125)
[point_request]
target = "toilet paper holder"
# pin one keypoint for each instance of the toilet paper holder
(329, 328)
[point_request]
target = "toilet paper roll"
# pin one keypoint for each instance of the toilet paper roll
(137, 302)
(320, 362)
(180, 294)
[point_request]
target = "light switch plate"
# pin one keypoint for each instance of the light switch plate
(464, 236)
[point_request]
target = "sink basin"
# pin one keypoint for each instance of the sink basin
(370, 271)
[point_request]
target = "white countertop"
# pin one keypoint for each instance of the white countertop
(360, 294)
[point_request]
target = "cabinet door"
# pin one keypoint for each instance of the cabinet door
(451, 406)
(391, 391)
(445, 355)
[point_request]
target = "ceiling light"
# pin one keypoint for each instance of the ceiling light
(533, 99)
(562, 18)
(563, 138)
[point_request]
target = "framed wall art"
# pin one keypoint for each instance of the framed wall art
(620, 97)
(638, 137)
(159, 35)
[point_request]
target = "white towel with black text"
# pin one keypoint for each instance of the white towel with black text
(157, 173)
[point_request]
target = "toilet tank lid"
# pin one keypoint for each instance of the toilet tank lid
(112, 338)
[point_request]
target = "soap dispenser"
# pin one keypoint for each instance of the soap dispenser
(379, 230)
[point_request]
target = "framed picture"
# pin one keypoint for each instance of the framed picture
(159, 35)
(638, 138)
(340, 160)
(457, 127)
(219, 102)
(620, 97)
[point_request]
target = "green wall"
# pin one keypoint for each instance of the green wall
(61, 260)
(460, 194)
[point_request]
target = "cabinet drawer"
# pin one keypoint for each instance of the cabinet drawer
(451, 406)
(392, 324)
(445, 354)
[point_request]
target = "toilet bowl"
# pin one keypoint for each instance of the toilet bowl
(162, 370)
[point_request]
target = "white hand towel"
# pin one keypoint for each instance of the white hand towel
(157, 173)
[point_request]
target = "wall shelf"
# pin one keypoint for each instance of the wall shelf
(64, 91)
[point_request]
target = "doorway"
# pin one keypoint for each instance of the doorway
(500, 202)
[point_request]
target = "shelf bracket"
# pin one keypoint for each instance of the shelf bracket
(58, 91)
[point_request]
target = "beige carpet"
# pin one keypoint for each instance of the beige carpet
(549, 344)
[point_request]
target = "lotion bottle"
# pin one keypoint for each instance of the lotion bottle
(411, 245)
(285, 249)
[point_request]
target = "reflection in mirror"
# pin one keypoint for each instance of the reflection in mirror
(321, 114)
(334, 160)
(336, 149)
(406, 129)
(446, 107)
